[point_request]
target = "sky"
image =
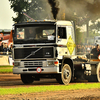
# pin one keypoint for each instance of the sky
(6, 15)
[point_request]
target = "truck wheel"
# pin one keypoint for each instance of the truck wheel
(27, 78)
(58, 78)
(98, 73)
(66, 74)
(95, 78)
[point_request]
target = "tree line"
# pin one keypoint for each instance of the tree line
(80, 11)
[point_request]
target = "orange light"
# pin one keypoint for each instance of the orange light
(56, 62)
(13, 63)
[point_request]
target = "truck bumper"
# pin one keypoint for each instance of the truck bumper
(38, 70)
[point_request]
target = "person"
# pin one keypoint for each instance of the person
(1, 47)
(30, 34)
(95, 52)
(18, 36)
(10, 49)
(5, 49)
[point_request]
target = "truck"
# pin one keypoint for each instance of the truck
(51, 53)
(6, 38)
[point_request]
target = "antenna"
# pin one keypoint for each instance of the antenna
(28, 16)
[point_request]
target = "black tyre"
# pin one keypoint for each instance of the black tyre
(95, 78)
(98, 73)
(66, 74)
(27, 78)
(58, 78)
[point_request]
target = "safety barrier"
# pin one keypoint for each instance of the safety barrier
(6, 60)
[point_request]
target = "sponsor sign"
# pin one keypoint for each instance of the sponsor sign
(70, 45)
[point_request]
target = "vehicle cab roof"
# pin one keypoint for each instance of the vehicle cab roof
(45, 22)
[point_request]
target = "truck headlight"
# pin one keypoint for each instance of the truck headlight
(53, 63)
(16, 63)
(50, 63)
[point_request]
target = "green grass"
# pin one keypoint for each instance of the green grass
(6, 69)
(5, 66)
(21, 90)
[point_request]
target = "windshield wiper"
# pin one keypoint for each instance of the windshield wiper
(33, 52)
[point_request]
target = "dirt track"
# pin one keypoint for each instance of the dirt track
(10, 80)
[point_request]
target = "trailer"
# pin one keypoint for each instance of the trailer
(46, 49)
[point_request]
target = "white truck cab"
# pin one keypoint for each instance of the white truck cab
(46, 49)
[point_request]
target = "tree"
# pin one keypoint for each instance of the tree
(82, 11)
(80, 37)
(38, 9)
(35, 9)
(95, 27)
(18, 6)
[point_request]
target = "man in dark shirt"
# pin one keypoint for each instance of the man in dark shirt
(95, 52)
(30, 34)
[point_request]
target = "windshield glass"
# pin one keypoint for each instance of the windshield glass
(35, 34)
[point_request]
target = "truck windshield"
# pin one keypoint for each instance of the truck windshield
(35, 34)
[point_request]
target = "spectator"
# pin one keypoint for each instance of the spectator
(5, 48)
(10, 49)
(95, 51)
(88, 49)
(1, 47)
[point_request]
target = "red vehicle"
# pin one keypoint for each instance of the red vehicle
(7, 38)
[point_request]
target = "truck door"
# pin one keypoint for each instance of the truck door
(65, 35)
(61, 41)
(70, 32)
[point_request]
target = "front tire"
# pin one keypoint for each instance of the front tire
(66, 74)
(59, 79)
(27, 78)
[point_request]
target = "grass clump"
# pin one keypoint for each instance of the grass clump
(6, 69)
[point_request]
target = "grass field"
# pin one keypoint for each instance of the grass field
(21, 90)
(6, 69)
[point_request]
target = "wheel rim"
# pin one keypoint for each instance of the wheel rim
(99, 74)
(66, 74)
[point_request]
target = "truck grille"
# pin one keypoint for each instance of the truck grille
(33, 64)
(27, 53)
